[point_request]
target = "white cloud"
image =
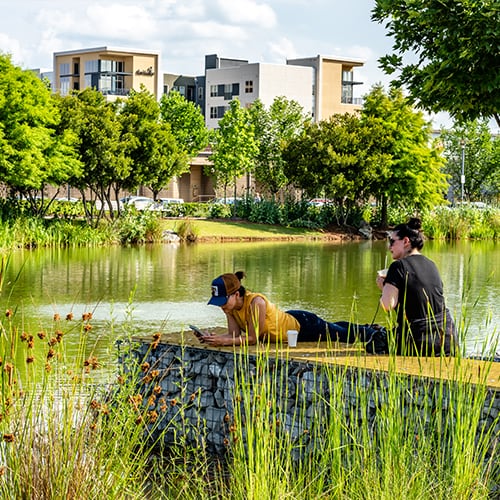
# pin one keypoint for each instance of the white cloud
(12, 46)
(283, 49)
(247, 12)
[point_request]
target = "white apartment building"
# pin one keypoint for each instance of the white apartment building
(248, 82)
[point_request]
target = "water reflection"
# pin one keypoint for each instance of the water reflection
(166, 287)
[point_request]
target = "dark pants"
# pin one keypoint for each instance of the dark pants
(314, 328)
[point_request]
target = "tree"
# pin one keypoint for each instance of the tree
(234, 146)
(334, 158)
(273, 130)
(155, 154)
(471, 147)
(186, 122)
(32, 153)
(102, 150)
(447, 53)
(412, 171)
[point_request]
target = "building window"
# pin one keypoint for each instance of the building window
(347, 87)
(64, 85)
(213, 112)
(181, 89)
(248, 86)
(213, 90)
(228, 91)
(64, 69)
(200, 93)
(92, 66)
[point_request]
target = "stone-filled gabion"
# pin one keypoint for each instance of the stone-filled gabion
(195, 392)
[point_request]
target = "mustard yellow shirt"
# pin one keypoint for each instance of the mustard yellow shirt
(276, 324)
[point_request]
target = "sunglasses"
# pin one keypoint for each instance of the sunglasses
(392, 241)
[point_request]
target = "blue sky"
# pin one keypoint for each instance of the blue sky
(184, 31)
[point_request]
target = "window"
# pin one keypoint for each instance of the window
(248, 86)
(213, 112)
(92, 66)
(200, 93)
(64, 69)
(347, 86)
(228, 91)
(213, 90)
(65, 83)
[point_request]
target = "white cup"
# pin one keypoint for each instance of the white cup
(382, 273)
(291, 336)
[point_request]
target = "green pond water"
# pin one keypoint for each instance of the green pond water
(164, 288)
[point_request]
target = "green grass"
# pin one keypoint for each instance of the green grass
(227, 229)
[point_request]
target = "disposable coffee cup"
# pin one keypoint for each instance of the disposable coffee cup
(291, 336)
(382, 273)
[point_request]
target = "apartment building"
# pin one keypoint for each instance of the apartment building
(112, 71)
(322, 85)
(251, 81)
(333, 84)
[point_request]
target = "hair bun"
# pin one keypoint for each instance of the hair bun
(240, 274)
(415, 223)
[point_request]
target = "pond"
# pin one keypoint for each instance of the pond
(164, 288)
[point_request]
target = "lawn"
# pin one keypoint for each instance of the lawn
(229, 229)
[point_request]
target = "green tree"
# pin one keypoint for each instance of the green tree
(470, 145)
(335, 158)
(101, 148)
(411, 170)
(446, 54)
(155, 154)
(273, 130)
(32, 153)
(186, 122)
(234, 146)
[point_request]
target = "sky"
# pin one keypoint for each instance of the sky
(184, 31)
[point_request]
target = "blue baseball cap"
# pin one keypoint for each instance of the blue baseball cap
(222, 287)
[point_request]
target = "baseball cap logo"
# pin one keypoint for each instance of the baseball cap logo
(215, 291)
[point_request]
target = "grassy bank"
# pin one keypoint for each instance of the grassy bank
(237, 230)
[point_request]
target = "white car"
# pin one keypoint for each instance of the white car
(139, 202)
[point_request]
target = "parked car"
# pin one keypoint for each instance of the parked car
(139, 202)
(319, 202)
(168, 201)
(65, 198)
(230, 200)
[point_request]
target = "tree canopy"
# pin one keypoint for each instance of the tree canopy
(446, 54)
(234, 146)
(32, 153)
(274, 128)
(470, 147)
(186, 122)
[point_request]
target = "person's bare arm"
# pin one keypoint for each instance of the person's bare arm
(390, 297)
(235, 336)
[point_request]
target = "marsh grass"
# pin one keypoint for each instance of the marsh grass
(360, 435)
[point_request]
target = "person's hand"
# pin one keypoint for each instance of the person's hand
(212, 339)
(380, 282)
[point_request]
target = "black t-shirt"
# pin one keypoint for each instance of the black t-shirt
(421, 297)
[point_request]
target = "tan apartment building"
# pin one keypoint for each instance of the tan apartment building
(333, 84)
(112, 71)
